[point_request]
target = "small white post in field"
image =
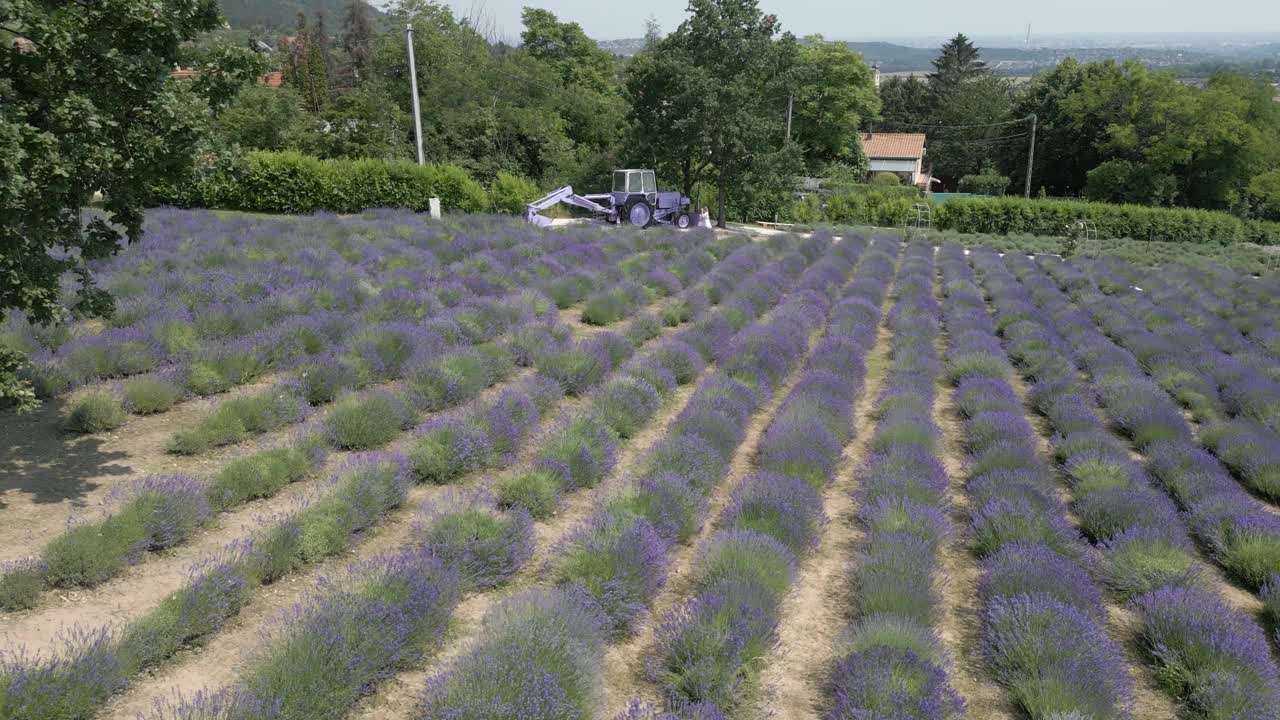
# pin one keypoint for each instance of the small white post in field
(433, 204)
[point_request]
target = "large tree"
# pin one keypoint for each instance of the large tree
(834, 91)
(959, 144)
(724, 105)
(357, 39)
(905, 104)
(88, 105)
(1122, 133)
(957, 63)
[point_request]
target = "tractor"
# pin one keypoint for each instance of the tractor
(635, 199)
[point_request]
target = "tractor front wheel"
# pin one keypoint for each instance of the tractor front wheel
(684, 220)
(640, 214)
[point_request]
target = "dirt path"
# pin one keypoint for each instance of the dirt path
(814, 611)
(397, 698)
(958, 627)
(624, 672)
(48, 477)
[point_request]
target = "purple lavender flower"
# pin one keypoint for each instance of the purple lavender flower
(886, 682)
(537, 656)
(1054, 659)
(1208, 652)
(619, 561)
(1039, 570)
(468, 532)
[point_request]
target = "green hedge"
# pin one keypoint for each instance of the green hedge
(994, 185)
(289, 182)
(1014, 216)
(885, 209)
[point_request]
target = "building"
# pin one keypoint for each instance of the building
(899, 153)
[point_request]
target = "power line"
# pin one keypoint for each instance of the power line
(977, 141)
(961, 127)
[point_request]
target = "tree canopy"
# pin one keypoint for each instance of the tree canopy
(89, 106)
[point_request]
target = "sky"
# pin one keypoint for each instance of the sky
(862, 20)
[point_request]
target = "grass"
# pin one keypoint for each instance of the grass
(147, 396)
(260, 475)
(21, 584)
(537, 491)
(362, 422)
(240, 418)
(95, 412)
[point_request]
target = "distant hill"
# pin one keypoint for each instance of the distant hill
(280, 15)
(901, 59)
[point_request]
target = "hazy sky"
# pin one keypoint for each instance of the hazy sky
(848, 20)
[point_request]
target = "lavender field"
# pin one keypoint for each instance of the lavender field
(382, 467)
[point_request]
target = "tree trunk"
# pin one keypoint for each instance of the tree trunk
(721, 196)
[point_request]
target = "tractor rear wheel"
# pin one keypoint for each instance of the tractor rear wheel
(639, 213)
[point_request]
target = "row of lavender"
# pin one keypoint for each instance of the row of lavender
(398, 332)
(1249, 304)
(435, 377)
(1205, 653)
(1146, 557)
(1042, 625)
(355, 498)
(483, 544)
(609, 569)
(1243, 378)
(248, 307)
(710, 648)
(892, 664)
(1240, 534)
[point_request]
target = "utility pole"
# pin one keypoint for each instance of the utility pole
(790, 97)
(1031, 158)
(413, 83)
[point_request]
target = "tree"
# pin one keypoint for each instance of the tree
(576, 57)
(725, 106)
(905, 104)
(307, 64)
(260, 118)
(88, 105)
(957, 64)
(1065, 146)
(834, 91)
(962, 145)
(357, 39)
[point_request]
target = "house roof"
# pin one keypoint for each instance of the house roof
(897, 146)
(272, 79)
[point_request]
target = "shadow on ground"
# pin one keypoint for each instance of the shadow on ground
(40, 461)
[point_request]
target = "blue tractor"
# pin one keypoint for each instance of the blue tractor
(635, 199)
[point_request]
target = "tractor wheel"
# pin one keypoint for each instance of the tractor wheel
(684, 220)
(640, 214)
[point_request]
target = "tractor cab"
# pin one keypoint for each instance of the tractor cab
(634, 182)
(636, 200)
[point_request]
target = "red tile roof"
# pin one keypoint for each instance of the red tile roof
(896, 146)
(181, 74)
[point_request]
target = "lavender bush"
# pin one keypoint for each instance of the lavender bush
(536, 657)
